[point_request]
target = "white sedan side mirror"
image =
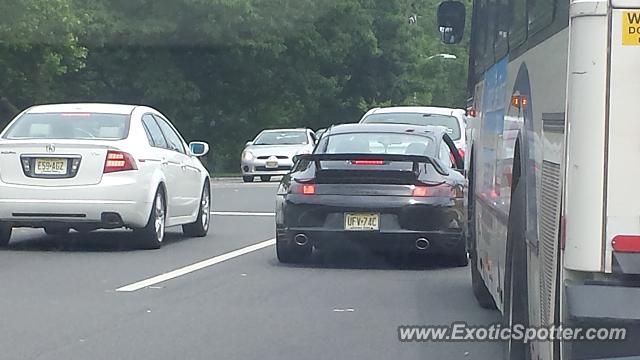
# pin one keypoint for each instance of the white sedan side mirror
(198, 148)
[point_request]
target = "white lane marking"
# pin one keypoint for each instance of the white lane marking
(194, 267)
(241, 184)
(242, 213)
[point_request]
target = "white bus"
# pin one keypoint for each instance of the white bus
(553, 164)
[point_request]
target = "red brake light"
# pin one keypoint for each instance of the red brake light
(308, 189)
(626, 243)
(461, 153)
(421, 191)
(118, 161)
(305, 189)
(367, 162)
(443, 190)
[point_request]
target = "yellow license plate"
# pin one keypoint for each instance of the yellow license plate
(272, 164)
(361, 221)
(50, 166)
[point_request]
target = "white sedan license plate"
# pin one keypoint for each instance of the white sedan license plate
(361, 221)
(272, 164)
(50, 166)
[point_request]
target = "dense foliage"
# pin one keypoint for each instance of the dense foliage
(224, 69)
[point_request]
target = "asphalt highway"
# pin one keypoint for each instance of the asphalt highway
(224, 296)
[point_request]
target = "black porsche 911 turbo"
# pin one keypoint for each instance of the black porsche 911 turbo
(387, 187)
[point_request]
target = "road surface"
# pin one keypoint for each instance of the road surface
(93, 297)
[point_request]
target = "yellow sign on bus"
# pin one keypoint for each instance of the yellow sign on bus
(631, 28)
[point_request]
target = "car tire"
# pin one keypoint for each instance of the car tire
(152, 235)
(460, 257)
(5, 234)
(56, 230)
(516, 297)
(291, 254)
(265, 178)
(200, 227)
(247, 179)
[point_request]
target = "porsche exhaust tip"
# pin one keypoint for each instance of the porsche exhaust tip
(422, 244)
(301, 239)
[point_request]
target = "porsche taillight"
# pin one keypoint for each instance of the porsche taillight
(304, 189)
(443, 190)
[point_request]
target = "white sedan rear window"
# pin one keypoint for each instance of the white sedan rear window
(450, 122)
(70, 126)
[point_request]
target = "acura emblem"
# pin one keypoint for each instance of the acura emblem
(51, 148)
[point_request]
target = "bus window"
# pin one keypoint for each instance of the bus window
(518, 32)
(490, 31)
(485, 32)
(503, 23)
(540, 14)
(480, 38)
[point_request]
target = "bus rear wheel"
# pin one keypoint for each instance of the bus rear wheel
(480, 290)
(516, 297)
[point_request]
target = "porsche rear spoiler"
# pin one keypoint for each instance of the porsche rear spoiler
(415, 159)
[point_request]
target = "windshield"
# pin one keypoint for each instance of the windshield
(282, 138)
(79, 126)
(380, 143)
(451, 122)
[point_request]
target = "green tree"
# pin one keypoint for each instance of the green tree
(39, 44)
(222, 70)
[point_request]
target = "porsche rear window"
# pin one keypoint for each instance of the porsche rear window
(381, 143)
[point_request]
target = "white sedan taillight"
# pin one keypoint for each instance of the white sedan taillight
(119, 161)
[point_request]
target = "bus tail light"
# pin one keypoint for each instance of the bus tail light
(626, 243)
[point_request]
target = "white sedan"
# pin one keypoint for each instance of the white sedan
(101, 166)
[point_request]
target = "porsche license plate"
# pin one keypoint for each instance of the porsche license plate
(361, 221)
(50, 166)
